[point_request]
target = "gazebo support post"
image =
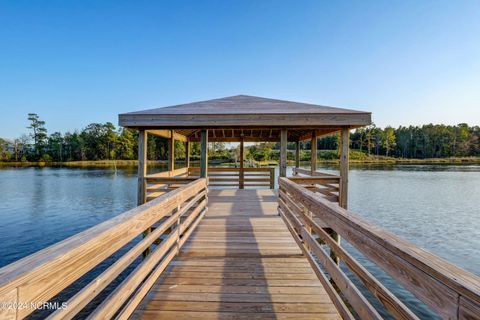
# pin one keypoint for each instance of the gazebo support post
(187, 155)
(297, 155)
(313, 156)
(241, 179)
(344, 146)
(171, 153)
(142, 166)
(142, 173)
(283, 153)
(343, 190)
(204, 153)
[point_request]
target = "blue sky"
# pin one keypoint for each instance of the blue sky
(77, 62)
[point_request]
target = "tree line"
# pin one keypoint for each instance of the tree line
(415, 142)
(412, 142)
(99, 141)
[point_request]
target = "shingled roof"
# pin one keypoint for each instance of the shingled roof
(245, 112)
(243, 104)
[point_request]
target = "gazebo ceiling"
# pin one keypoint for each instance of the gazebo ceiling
(252, 135)
(245, 117)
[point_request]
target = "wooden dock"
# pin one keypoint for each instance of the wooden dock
(240, 263)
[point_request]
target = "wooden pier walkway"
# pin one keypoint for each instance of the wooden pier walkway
(240, 263)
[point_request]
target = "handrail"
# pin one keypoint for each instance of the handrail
(310, 173)
(37, 278)
(448, 290)
(238, 177)
(156, 185)
(324, 183)
(182, 172)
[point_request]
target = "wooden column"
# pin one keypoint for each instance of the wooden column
(313, 156)
(283, 153)
(297, 155)
(272, 178)
(343, 192)
(242, 160)
(171, 153)
(142, 166)
(344, 146)
(142, 173)
(187, 154)
(204, 153)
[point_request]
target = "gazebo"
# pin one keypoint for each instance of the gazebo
(244, 119)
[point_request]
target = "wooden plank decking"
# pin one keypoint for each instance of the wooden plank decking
(240, 263)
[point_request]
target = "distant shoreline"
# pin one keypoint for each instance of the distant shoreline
(80, 164)
(385, 160)
(131, 163)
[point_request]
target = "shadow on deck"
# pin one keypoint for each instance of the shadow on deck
(240, 263)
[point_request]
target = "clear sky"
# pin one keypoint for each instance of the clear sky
(77, 62)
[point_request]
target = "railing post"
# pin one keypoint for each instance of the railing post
(308, 228)
(178, 231)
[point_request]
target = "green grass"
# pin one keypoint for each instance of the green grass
(84, 164)
(355, 157)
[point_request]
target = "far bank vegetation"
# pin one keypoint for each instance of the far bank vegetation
(104, 142)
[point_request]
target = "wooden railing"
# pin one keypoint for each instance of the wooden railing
(37, 278)
(324, 183)
(237, 177)
(157, 186)
(447, 290)
(181, 172)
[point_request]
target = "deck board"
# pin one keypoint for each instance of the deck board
(240, 263)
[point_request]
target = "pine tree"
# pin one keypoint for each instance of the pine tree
(39, 134)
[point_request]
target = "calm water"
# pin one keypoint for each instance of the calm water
(436, 207)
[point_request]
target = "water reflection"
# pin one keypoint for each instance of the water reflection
(46, 205)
